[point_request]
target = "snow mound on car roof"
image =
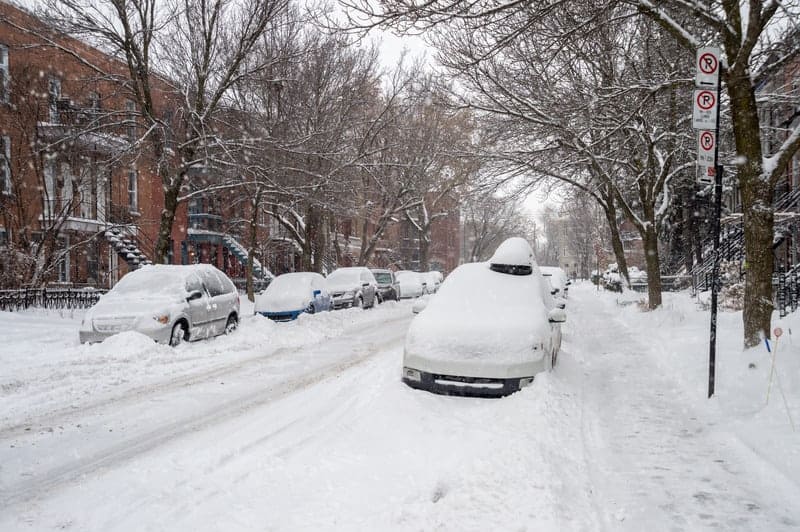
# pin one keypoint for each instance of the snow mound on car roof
(514, 251)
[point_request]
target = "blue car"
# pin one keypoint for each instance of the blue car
(291, 294)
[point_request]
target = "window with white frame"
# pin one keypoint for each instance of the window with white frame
(133, 190)
(5, 84)
(130, 118)
(53, 95)
(5, 164)
(49, 186)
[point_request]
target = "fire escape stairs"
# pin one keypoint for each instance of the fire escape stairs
(126, 245)
(240, 252)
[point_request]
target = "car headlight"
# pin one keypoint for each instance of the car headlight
(163, 319)
(412, 374)
(350, 293)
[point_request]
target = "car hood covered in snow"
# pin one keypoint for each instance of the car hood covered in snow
(123, 305)
(288, 292)
(483, 316)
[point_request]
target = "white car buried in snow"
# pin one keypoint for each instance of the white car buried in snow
(487, 332)
(168, 303)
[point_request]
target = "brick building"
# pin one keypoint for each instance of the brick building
(80, 200)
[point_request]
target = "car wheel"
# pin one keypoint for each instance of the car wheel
(379, 299)
(232, 324)
(554, 358)
(359, 302)
(178, 335)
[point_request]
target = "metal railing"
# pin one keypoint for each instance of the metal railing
(51, 298)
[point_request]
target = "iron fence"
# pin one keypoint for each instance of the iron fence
(52, 298)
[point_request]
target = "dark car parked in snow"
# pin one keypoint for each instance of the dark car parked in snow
(388, 289)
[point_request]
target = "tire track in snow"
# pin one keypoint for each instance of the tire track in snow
(238, 405)
(139, 393)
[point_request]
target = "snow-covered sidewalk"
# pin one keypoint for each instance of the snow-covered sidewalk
(664, 457)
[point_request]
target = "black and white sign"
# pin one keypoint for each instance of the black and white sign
(705, 175)
(707, 67)
(706, 142)
(704, 115)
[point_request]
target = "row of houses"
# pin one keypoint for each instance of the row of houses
(81, 207)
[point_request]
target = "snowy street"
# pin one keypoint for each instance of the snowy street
(307, 426)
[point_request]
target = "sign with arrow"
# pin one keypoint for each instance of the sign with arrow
(707, 63)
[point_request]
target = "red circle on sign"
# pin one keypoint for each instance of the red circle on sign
(707, 140)
(706, 100)
(708, 63)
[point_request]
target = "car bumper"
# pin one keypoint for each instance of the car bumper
(161, 335)
(463, 386)
(282, 316)
(342, 302)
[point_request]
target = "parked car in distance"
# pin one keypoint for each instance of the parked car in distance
(352, 287)
(168, 303)
(388, 289)
(487, 332)
(410, 284)
(291, 294)
(434, 280)
(558, 278)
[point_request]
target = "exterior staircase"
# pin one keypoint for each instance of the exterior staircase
(127, 247)
(240, 252)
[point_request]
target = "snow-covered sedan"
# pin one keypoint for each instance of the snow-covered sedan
(353, 287)
(168, 303)
(409, 283)
(558, 278)
(292, 294)
(487, 332)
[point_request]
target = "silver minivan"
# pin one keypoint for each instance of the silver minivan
(168, 303)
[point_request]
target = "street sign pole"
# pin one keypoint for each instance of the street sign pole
(712, 349)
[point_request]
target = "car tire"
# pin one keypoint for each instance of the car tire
(178, 335)
(358, 302)
(379, 299)
(554, 358)
(232, 324)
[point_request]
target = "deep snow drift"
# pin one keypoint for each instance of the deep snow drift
(308, 427)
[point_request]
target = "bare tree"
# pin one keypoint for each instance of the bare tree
(183, 57)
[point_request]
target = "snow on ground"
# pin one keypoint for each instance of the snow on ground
(43, 367)
(322, 435)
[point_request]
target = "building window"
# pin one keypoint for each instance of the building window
(54, 94)
(5, 164)
(133, 190)
(130, 119)
(5, 88)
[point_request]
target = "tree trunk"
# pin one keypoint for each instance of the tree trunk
(650, 238)
(167, 220)
(616, 241)
(757, 196)
(251, 252)
(424, 249)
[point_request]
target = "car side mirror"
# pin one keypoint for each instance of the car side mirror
(554, 291)
(569, 283)
(315, 293)
(561, 302)
(196, 294)
(557, 315)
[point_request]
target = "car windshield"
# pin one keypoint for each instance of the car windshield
(289, 284)
(151, 281)
(345, 277)
(383, 277)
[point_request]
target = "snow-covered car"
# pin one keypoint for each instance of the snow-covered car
(487, 332)
(388, 289)
(168, 303)
(410, 284)
(558, 278)
(352, 287)
(434, 281)
(291, 294)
